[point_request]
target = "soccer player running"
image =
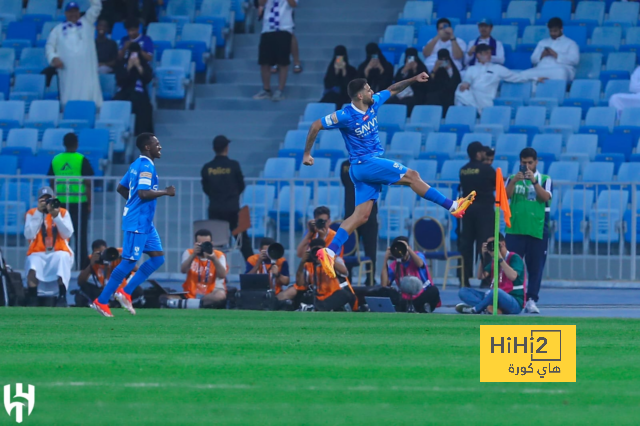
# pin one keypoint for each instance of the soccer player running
(358, 123)
(139, 187)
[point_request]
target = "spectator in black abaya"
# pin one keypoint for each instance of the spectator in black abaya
(132, 76)
(443, 81)
(339, 74)
(416, 94)
(376, 69)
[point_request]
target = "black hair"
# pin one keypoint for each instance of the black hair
(554, 23)
(266, 241)
(70, 139)
(473, 149)
(401, 238)
(317, 242)
(482, 48)
(143, 140)
(131, 23)
(202, 233)
(321, 210)
(529, 153)
(443, 20)
(489, 151)
(444, 54)
(355, 86)
(98, 243)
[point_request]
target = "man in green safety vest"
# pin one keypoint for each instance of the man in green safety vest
(74, 192)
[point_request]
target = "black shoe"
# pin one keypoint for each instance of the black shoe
(62, 302)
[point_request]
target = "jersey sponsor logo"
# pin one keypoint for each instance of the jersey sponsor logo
(367, 128)
(365, 118)
(334, 118)
(144, 181)
(145, 175)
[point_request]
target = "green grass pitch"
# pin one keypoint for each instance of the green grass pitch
(276, 368)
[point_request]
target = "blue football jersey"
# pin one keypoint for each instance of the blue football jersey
(138, 213)
(359, 129)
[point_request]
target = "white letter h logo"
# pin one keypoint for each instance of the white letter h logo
(29, 396)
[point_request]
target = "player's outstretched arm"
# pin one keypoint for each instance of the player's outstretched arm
(401, 85)
(150, 194)
(316, 126)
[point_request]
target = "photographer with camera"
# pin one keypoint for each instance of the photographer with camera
(277, 268)
(318, 227)
(48, 228)
(511, 282)
(91, 279)
(330, 294)
(403, 263)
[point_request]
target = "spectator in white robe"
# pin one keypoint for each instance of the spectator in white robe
(71, 49)
(620, 101)
(49, 256)
(445, 39)
(480, 83)
(485, 26)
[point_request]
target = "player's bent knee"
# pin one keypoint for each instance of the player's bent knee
(412, 175)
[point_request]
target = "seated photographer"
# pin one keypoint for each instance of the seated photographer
(278, 269)
(91, 280)
(510, 284)
(416, 295)
(318, 227)
(48, 228)
(331, 294)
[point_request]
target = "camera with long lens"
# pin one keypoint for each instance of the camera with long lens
(274, 252)
(321, 223)
(206, 247)
(398, 250)
(53, 203)
(491, 246)
(312, 257)
(109, 255)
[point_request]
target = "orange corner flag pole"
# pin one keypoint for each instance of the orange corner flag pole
(502, 203)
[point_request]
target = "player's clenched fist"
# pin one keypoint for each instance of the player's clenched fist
(307, 160)
(423, 77)
(171, 190)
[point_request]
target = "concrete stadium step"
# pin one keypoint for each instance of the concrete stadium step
(248, 90)
(347, 28)
(305, 77)
(314, 64)
(348, 13)
(316, 41)
(323, 51)
(253, 106)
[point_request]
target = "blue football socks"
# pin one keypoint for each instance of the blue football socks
(145, 271)
(120, 273)
(438, 197)
(338, 241)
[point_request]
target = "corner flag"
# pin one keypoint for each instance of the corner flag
(502, 203)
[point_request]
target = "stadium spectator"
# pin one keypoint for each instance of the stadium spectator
(555, 58)
(331, 294)
(481, 81)
(71, 49)
(318, 227)
(275, 45)
(91, 279)
(424, 298)
(485, 26)
(444, 79)
(223, 182)
(74, 192)
(133, 74)
(132, 25)
(478, 221)
(48, 228)
(621, 101)
(510, 283)
(339, 74)
(416, 93)
(277, 269)
(376, 69)
(489, 155)
(106, 48)
(530, 194)
(445, 39)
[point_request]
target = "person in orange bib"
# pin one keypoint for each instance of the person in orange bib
(48, 228)
(318, 227)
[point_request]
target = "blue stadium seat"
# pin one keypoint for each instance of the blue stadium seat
(118, 31)
(623, 14)
(439, 147)
(52, 141)
(197, 39)
(521, 14)
(395, 41)
(596, 175)
(491, 9)
(260, 199)
(163, 36)
(180, 12)
(217, 14)
(467, 32)
(555, 9)
(605, 221)
(424, 119)
(508, 35)
(108, 86)
(8, 163)
(7, 60)
(616, 158)
(296, 139)
(529, 120)
(629, 122)
(331, 140)
(37, 165)
(584, 94)
(632, 40)
(39, 12)
(589, 14)
(296, 154)
(564, 171)
(20, 35)
(508, 147)
(548, 147)
(484, 138)
(94, 143)
(410, 142)
(321, 170)
(79, 115)
(174, 75)
(28, 88)
(572, 217)
(518, 60)
(628, 219)
(281, 210)
(21, 143)
(11, 115)
(613, 87)
(395, 211)
(32, 61)
(605, 40)
(589, 66)
(279, 168)
(17, 191)
(392, 118)
(425, 33)
(619, 66)
(494, 120)
(416, 13)
(617, 144)
(578, 34)
(459, 120)
(428, 169)
(549, 94)
(456, 9)
(237, 6)
(44, 33)
(599, 121)
(513, 95)
(10, 10)
(116, 117)
(629, 173)
(314, 111)
(581, 149)
(564, 121)
(329, 196)
(451, 170)
(52, 92)
(531, 36)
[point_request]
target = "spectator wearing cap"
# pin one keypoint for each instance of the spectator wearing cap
(485, 26)
(478, 221)
(223, 182)
(481, 81)
(71, 49)
(74, 192)
(49, 257)
(132, 25)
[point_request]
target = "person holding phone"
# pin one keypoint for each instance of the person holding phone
(376, 69)
(444, 79)
(416, 93)
(339, 74)
(530, 194)
(133, 74)
(445, 39)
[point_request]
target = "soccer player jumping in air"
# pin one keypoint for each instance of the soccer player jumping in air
(358, 123)
(139, 187)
